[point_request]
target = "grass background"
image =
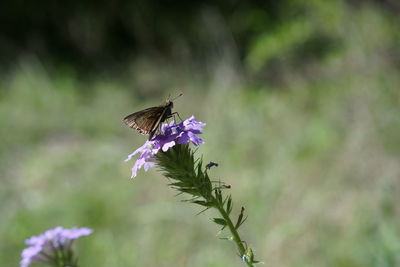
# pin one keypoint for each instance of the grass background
(312, 151)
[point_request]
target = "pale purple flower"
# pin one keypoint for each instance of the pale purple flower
(171, 134)
(44, 247)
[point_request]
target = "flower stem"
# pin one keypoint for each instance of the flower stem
(234, 232)
(188, 176)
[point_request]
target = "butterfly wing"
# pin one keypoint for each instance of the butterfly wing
(145, 121)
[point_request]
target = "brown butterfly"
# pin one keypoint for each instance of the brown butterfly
(148, 121)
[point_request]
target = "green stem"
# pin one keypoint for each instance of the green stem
(235, 234)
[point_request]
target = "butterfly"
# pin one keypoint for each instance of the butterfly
(148, 121)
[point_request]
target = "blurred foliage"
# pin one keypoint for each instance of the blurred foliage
(301, 101)
(102, 35)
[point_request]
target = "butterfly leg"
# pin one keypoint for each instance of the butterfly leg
(173, 114)
(159, 129)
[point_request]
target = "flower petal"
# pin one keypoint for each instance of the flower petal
(168, 145)
(184, 139)
(45, 245)
(148, 165)
(171, 133)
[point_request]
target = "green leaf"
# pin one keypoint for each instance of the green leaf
(229, 205)
(177, 184)
(218, 195)
(203, 203)
(240, 218)
(219, 221)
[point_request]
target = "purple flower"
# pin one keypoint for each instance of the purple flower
(45, 247)
(171, 134)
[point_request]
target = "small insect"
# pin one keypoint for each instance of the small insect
(211, 164)
(148, 121)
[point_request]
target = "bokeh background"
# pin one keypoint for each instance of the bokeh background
(301, 101)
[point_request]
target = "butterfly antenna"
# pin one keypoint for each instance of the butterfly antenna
(177, 97)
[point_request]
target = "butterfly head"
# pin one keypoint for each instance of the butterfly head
(169, 102)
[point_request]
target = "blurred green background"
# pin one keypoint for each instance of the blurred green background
(301, 101)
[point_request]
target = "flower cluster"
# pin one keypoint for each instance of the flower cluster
(51, 245)
(171, 134)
